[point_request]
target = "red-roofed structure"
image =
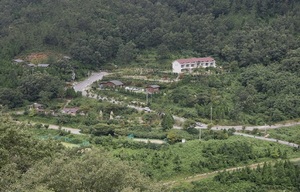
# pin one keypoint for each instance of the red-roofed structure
(189, 64)
(70, 111)
(152, 89)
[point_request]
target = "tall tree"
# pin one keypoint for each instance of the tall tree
(167, 121)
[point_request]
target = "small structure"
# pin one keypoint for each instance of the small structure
(70, 111)
(31, 65)
(111, 116)
(39, 108)
(134, 89)
(152, 89)
(17, 61)
(113, 84)
(66, 57)
(182, 65)
(147, 109)
(43, 65)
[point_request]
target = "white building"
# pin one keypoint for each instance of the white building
(182, 65)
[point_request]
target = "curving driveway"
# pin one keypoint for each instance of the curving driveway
(82, 86)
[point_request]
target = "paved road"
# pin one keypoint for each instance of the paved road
(77, 132)
(51, 126)
(269, 139)
(250, 128)
(72, 130)
(82, 86)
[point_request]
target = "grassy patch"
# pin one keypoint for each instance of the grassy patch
(69, 145)
(291, 134)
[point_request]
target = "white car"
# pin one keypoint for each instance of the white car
(147, 109)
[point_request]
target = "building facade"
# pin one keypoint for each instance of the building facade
(112, 84)
(187, 65)
(152, 89)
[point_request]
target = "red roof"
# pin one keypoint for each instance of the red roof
(193, 60)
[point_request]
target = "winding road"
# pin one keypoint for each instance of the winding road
(250, 128)
(269, 139)
(83, 86)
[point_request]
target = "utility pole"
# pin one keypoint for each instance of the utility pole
(211, 114)
(199, 133)
(146, 97)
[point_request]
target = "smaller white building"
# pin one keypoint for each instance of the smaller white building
(182, 65)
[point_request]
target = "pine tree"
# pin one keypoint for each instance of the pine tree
(167, 122)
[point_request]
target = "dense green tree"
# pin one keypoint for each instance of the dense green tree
(10, 97)
(189, 124)
(281, 176)
(40, 85)
(255, 43)
(167, 121)
(174, 136)
(126, 53)
(85, 170)
(20, 151)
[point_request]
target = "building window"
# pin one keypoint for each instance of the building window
(187, 65)
(192, 65)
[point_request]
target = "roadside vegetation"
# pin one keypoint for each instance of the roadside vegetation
(255, 45)
(282, 175)
(290, 134)
(33, 159)
(256, 82)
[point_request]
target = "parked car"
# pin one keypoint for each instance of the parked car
(147, 109)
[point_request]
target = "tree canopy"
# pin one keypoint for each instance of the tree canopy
(255, 43)
(28, 164)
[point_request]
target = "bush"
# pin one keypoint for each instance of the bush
(192, 131)
(38, 125)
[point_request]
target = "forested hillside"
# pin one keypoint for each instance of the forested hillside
(28, 164)
(256, 42)
(235, 31)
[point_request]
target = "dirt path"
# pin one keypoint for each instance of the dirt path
(67, 103)
(72, 130)
(199, 177)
